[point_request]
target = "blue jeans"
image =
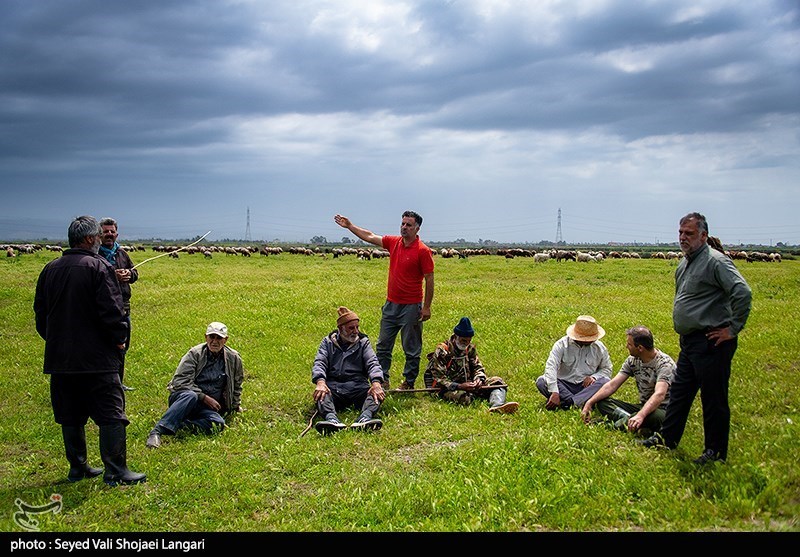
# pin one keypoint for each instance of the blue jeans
(402, 318)
(186, 411)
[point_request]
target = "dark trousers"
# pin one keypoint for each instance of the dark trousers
(76, 397)
(127, 347)
(186, 410)
(571, 394)
(344, 398)
(707, 368)
(403, 319)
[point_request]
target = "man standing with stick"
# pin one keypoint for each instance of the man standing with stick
(126, 275)
(410, 263)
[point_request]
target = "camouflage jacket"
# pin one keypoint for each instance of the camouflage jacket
(448, 366)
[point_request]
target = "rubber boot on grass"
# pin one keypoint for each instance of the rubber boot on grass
(75, 447)
(497, 402)
(114, 451)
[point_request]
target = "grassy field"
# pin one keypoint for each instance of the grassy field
(434, 467)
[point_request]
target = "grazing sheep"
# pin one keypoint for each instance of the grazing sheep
(541, 257)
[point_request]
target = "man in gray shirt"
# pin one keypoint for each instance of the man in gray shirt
(652, 370)
(712, 303)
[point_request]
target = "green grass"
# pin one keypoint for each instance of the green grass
(434, 467)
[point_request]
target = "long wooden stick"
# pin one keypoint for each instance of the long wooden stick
(173, 251)
(437, 389)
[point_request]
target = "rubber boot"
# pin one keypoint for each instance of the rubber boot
(75, 447)
(114, 451)
(497, 402)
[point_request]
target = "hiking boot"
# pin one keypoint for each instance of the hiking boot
(709, 455)
(331, 425)
(367, 424)
(405, 386)
(153, 440)
(507, 408)
(655, 441)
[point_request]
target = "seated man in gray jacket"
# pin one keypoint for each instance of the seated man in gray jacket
(206, 385)
(346, 372)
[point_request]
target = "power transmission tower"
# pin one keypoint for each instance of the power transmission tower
(247, 232)
(559, 239)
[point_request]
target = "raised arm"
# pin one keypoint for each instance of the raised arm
(361, 233)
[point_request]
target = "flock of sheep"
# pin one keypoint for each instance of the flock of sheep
(376, 253)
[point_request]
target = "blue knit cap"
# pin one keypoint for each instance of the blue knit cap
(464, 328)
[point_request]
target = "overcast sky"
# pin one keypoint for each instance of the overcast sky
(486, 117)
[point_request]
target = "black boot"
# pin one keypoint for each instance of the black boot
(75, 447)
(114, 451)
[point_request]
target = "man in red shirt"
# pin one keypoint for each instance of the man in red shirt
(410, 263)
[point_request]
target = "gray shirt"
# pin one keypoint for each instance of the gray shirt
(571, 362)
(660, 368)
(709, 292)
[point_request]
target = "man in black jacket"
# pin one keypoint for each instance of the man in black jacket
(80, 316)
(126, 275)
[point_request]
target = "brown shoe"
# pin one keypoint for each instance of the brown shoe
(507, 408)
(405, 386)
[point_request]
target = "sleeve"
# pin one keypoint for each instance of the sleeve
(371, 363)
(108, 299)
(128, 264)
(551, 366)
(627, 367)
(476, 366)
(426, 261)
(238, 380)
(666, 370)
(738, 291)
(604, 368)
(184, 378)
(40, 306)
(319, 370)
(438, 367)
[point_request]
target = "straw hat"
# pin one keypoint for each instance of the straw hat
(585, 329)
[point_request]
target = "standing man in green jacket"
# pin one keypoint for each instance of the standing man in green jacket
(712, 304)
(206, 386)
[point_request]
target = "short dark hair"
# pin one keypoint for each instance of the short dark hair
(702, 223)
(80, 228)
(641, 336)
(108, 221)
(415, 216)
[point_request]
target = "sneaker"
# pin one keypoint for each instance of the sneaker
(326, 427)
(153, 441)
(126, 388)
(365, 424)
(405, 386)
(655, 441)
(507, 408)
(709, 455)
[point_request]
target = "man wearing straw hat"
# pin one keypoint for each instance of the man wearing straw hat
(346, 372)
(577, 367)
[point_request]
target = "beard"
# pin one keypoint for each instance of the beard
(462, 347)
(96, 247)
(349, 339)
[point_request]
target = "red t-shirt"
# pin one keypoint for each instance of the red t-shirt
(407, 268)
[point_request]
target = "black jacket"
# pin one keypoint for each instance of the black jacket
(79, 314)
